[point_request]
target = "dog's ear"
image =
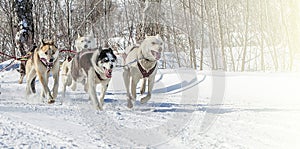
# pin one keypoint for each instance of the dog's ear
(112, 53)
(157, 36)
(50, 42)
(78, 35)
(43, 42)
(110, 50)
(91, 34)
(100, 49)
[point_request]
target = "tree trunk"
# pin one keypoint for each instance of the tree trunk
(191, 37)
(24, 34)
(262, 36)
(271, 41)
(202, 34)
(150, 25)
(221, 37)
(211, 46)
(174, 35)
(285, 26)
(229, 37)
(69, 18)
(245, 37)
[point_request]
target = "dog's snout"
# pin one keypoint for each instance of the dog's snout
(51, 60)
(86, 46)
(111, 66)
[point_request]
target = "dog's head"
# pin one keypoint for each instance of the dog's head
(48, 53)
(106, 61)
(152, 47)
(85, 42)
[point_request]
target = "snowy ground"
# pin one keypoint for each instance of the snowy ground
(188, 110)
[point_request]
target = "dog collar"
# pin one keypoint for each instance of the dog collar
(99, 77)
(144, 72)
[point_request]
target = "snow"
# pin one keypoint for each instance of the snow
(189, 109)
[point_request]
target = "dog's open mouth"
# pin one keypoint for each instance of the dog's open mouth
(156, 54)
(108, 72)
(48, 64)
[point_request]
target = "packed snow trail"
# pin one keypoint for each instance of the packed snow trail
(257, 111)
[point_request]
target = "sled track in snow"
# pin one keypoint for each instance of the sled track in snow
(80, 124)
(36, 134)
(30, 135)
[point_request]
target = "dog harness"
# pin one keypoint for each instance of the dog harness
(99, 77)
(144, 72)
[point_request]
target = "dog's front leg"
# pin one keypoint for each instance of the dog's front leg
(30, 86)
(134, 82)
(143, 87)
(56, 84)
(102, 95)
(44, 94)
(92, 89)
(86, 87)
(66, 80)
(73, 85)
(126, 78)
(150, 87)
(46, 91)
(64, 88)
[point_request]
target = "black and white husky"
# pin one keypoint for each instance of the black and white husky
(90, 68)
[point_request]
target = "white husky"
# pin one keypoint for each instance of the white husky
(141, 63)
(85, 42)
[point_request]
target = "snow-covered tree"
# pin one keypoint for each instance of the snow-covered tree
(24, 29)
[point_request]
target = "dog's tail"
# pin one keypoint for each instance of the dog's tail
(131, 48)
(32, 85)
(127, 51)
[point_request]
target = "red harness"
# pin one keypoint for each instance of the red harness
(46, 64)
(144, 72)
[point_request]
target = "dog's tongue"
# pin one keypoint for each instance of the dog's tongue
(157, 55)
(108, 73)
(50, 64)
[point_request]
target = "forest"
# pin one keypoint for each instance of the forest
(227, 35)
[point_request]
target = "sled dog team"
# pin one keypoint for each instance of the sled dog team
(91, 66)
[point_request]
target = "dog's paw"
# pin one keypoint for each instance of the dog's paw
(50, 101)
(73, 88)
(142, 91)
(100, 108)
(132, 98)
(129, 104)
(145, 99)
(21, 79)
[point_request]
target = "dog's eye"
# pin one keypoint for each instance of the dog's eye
(46, 52)
(105, 60)
(89, 41)
(153, 43)
(113, 60)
